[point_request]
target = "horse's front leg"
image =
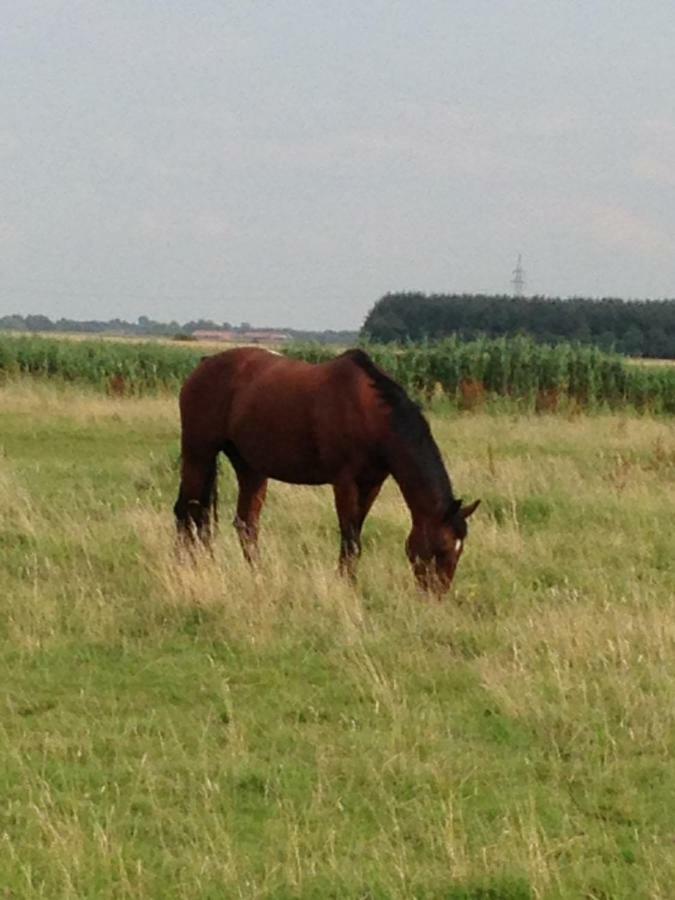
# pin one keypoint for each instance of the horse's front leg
(353, 500)
(252, 492)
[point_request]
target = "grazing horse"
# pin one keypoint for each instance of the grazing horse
(344, 423)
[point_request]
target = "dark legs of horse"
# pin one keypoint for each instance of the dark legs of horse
(353, 500)
(252, 492)
(195, 509)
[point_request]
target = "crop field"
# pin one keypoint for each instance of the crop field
(183, 731)
(653, 362)
(514, 373)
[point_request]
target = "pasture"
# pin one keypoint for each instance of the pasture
(170, 731)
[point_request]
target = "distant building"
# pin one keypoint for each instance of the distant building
(243, 337)
(263, 337)
(214, 335)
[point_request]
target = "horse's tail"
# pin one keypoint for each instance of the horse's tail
(213, 492)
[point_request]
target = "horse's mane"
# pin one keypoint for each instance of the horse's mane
(409, 423)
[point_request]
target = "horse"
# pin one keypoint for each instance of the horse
(344, 422)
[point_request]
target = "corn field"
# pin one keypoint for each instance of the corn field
(535, 376)
(117, 367)
(466, 374)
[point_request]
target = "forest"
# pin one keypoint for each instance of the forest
(643, 328)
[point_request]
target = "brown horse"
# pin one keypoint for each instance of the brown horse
(343, 422)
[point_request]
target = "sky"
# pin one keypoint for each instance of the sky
(288, 162)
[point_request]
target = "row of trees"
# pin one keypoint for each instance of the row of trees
(146, 327)
(634, 327)
(142, 326)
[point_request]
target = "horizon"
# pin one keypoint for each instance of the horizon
(246, 326)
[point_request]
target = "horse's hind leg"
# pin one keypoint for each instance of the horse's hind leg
(347, 507)
(195, 508)
(252, 493)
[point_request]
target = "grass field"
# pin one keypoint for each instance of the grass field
(202, 345)
(217, 346)
(651, 362)
(172, 731)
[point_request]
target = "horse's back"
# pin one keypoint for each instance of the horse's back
(291, 420)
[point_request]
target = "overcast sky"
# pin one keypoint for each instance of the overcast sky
(289, 162)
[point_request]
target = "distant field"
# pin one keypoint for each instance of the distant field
(223, 345)
(652, 362)
(179, 732)
(210, 346)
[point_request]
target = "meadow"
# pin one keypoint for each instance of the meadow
(178, 731)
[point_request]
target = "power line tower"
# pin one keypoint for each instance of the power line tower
(518, 280)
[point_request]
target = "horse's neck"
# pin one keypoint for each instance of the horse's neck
(421, 476)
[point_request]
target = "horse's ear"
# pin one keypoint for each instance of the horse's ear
(453, 509)
(469, 510)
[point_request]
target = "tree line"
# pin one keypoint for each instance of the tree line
(145, 327)
(633, 327)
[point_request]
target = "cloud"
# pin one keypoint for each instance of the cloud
(433, 137)
(617, 227)
(656, 160)
(9, 143)
(8, 232)
(167, 226)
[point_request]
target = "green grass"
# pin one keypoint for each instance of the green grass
(170, 731)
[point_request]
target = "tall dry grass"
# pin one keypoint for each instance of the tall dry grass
(178, 730)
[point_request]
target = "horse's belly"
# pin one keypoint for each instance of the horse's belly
(297, 476)
(299, 471)
(275, 456)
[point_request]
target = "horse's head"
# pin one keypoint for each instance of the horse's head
(434, 547)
